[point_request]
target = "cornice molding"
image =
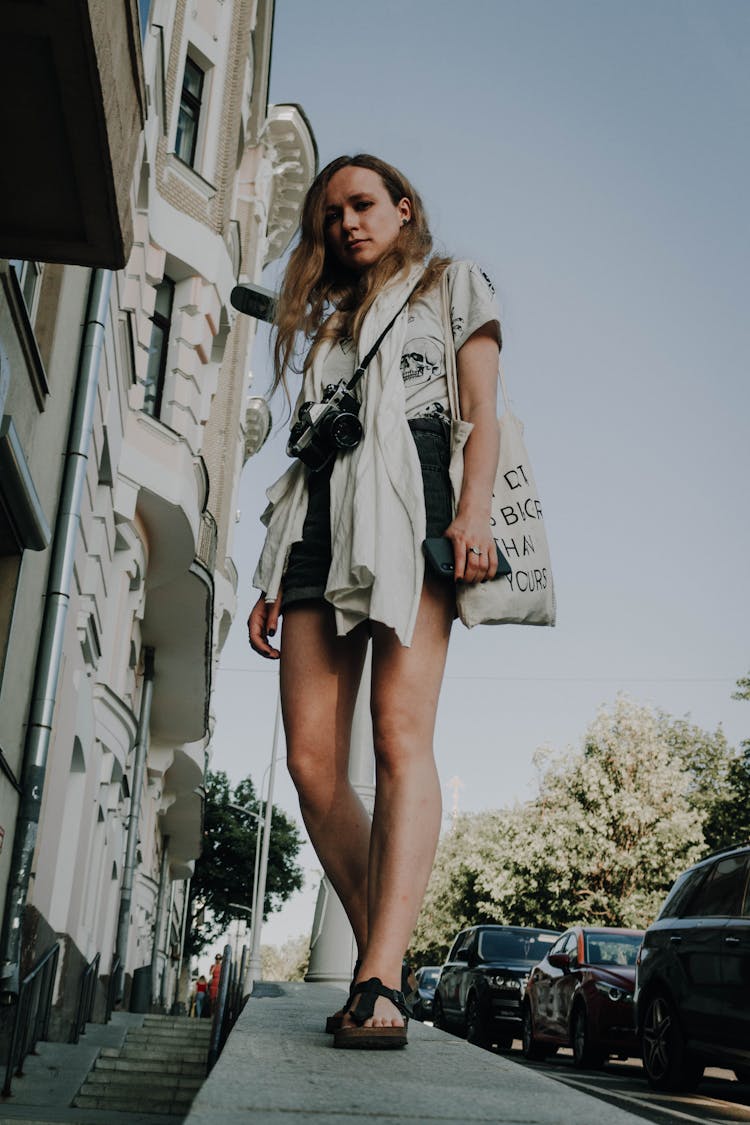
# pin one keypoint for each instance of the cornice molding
(290, 144)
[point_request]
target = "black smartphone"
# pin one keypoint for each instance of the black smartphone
(438, 555)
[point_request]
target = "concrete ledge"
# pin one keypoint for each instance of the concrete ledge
(279, 1066)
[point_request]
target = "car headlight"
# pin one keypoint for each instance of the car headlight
(512, 984)
(615, 994)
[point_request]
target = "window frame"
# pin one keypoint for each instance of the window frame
(163, 323)
(194, 104)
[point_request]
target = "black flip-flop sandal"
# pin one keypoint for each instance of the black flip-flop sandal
(372, 1038)
(408, 987)
(334, 1022)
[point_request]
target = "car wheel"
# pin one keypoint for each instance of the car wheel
(667, 1063)
(438, 1015)
(477, 1030)
(531, 1048)
(585, 1054)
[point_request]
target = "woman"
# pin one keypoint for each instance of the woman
(343, 560)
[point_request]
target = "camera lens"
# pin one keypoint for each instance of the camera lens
(346, 431)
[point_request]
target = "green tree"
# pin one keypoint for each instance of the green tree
(453, 899)
(728, 821)
(224, 872)
(287, 962)
(610, 828)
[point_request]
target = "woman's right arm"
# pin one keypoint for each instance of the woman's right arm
(262, 624)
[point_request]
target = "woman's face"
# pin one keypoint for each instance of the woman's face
(361, 220)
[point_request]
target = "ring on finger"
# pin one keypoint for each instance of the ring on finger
(475, 551)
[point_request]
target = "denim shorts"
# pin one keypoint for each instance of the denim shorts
(306, 575)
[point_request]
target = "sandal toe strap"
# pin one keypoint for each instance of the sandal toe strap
(368, 991)
(350, 997)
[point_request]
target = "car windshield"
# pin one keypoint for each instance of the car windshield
(429, 978)
(612, 949)
(521, 945)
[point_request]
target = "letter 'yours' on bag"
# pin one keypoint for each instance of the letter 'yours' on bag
(527, 595)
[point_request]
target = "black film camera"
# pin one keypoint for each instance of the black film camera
(323, 428)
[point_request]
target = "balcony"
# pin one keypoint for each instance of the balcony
(72, 108)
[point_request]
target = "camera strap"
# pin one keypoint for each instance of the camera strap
(359, 371)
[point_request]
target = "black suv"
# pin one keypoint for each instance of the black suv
(482, 983)
(693, 977)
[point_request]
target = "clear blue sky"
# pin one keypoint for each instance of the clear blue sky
(594, 158)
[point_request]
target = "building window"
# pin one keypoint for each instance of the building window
(29, 275)
(157, 352)
(190, 111)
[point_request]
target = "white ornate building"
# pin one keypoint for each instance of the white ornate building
(215, 193)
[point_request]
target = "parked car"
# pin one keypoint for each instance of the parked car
(427, 978)
(482, 982)
(581, 996)
(693, 977)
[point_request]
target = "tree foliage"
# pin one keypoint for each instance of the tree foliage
(224, 872)
(287, 962)
(728, 821)
(608, 831)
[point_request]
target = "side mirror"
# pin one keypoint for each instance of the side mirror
(560, 961)
(463, 955)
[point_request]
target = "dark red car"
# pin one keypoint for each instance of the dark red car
(581, 996)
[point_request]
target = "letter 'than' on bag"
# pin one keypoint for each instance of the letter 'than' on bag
(527, 595)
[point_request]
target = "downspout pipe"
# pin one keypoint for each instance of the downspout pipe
(139, 766)
(49, 654)
(159, 921)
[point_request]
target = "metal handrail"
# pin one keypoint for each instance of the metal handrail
(114, 976)
(229, 1004)
(32, 1013)
(86, 997)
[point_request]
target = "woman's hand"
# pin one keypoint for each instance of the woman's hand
(474, 553)
(262, 624)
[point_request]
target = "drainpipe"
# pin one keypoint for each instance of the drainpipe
(183, 927)
(159, 921)
(128, 871)
(49, 655)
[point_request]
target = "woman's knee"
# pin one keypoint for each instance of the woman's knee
(313, 770)
(399, 740)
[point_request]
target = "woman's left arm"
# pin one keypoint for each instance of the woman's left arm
(477, 382)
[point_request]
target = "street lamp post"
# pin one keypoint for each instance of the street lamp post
(259, 894)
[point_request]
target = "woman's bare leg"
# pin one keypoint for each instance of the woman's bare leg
(406, 820)
(320, 674)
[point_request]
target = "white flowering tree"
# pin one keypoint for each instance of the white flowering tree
(611, 827)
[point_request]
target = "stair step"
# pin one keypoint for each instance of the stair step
(147, 1066)
(136, 1051)
(148, 1080)
(142, 1098)
(179, 1034)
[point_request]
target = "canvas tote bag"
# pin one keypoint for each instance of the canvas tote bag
(527, 596)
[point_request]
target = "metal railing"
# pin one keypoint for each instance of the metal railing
(32, 1014)
(229, 1003)
(112, 987)
(86, 997)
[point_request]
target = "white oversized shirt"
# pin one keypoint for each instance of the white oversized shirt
(377, 499)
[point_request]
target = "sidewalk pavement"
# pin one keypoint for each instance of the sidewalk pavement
(278, 1068)
(54, 1076)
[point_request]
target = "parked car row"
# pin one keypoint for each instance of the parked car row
(677, 994)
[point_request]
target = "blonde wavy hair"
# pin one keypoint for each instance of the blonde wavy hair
(319, 297)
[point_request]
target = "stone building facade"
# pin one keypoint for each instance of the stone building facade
(216, 185)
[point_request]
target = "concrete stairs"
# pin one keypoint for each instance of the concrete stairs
(158, 1069)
